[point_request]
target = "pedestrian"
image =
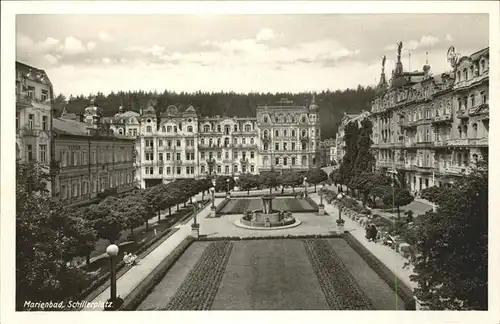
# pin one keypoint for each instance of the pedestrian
(126, 258)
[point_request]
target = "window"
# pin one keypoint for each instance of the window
(44, 123)
(202, 169)
(219, 155)
(206, 128)
(160, 143)
(175, 129)
(235, 141)
(85, 158)
(266, 120)
(29, 150)
(284, 146)
(459, 132)
(276, 120)
(285, 161)
(293, 146)
(63, 192)
(303, 119)
(226, 155)
(190, 129)
(252, 141)
(276, 133)
(293, 160)
(31, 92)
(169, 170)
(168, 157)
(483, 65)
(243, 141)
(472, 101)
(235, 128)
(31, 119)
(178, 143)
(474, 130)
(43, 153)
(163, 129)
(149, 143)
(484, 98)
(202, 155)
(247, 128)
(219, 129)
(276, 146)
(169, 129)
(149, 156)
(178, 156)
(18, 115)
(160, 156)
(226, 130)
(252, 155)
(285, 133)
(266, 146)
(219, 169)
(252, 168)
(226, 169)
(277, 160)
(148, 129)
(304, 146)
(160, 170)
(45, 95)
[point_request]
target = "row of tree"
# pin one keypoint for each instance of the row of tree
(445, 242)
(333, 104)
(49, 235)
(272, 179)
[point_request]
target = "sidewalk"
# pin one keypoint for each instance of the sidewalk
(393, 260)
(126, 283)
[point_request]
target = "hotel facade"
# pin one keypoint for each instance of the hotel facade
(430, 129)
(177, 143)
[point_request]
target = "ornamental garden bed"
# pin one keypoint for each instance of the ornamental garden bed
(271, 274)
(242, 205)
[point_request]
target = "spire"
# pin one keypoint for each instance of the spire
(382, 82)
(426, 58)
(399, 65)
(426, 67)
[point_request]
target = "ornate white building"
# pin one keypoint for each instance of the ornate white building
(430, 129)
(175, 143)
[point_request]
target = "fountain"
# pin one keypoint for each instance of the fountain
(267, 218)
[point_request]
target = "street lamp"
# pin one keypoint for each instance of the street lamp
(212, 190)
(195, 227)
(340, 221)
(227, 186)
(321, 193)
(112, 252)
(194, 212)
(305, 187)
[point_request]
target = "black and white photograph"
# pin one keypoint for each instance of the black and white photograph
(176, 157)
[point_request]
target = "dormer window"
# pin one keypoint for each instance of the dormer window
(483, 65)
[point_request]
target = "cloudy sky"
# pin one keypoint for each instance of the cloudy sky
(242, 53)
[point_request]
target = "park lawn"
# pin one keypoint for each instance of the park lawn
(269, 275)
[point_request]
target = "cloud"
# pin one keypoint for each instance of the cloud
(51, 59)
(155, 50)
(448, 38)
(74, 46)
(424, 42)
(105, 37)
(106, 60)
(266, 34)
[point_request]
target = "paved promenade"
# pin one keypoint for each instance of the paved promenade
(129, 280)
(393, 260)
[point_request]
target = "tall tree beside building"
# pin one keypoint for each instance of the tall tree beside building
(346, 169)
(450, 241)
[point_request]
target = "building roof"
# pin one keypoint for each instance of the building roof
(34, 74)
(63, 126)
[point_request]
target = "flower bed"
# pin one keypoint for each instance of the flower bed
(405, 292)
(340, 288)
(135, 298)
(221, 206)
(198, 290)
(277, 237)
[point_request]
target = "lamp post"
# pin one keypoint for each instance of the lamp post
(340, 221)
(227, 188)
(305, 186)
(114, 303)
(212, 208)
(195, 227)
(321, 207)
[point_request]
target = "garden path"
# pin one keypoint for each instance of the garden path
(393, 260)
(129, 280)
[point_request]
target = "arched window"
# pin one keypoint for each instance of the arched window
(276, 120)
(202, 141)
(148, 129)
(303, 119)
(266, 133)
(293, 132)
(304, 160)
(120, 131)
(247, 128)
(190, 129)
(285, 133)
(458, 76)
(235, 141)
(459, 132)
(218, 142)
(266, 161)
(276, 133)
(206, 128)
(303, 133)
(266, 147)
(226, 130)
(169, 129)
(293, 119)
(483, 65)
(266, 120)
(226, 141)
(472, 100)
(252, 140)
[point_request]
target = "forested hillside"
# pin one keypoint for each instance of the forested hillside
(332, 104)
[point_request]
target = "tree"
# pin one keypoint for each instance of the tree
(132, 210)
(316, 176)
(398, 197)
(365, 161)
(270, 179)
(47, 236)
(451, 240)
(247, 181)
(107, 224)
(346, 169)
(433, 193)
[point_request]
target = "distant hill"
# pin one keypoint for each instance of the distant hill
(332, 104)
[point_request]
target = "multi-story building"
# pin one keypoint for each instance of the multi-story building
(176, 143)
(89, 158)
(289, 136)
(428, 129)
(326, 150)
(34, 96)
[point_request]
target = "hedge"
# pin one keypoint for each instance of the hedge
(137, 296)
(405, 292)
(277, 237)
(222, 205)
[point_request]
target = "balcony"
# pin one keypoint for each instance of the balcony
(265, 138)
(458, 169)
(478, 142)
(304, 138)
(385, 145)
(244, 161)
(148, 149)
(448, 118)
(209, 147)
(424, 169)
(27, 131)
(462, 113)
(424, 144)
(464, 84)
(441, 143)
(23, 100)
(458, 142)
